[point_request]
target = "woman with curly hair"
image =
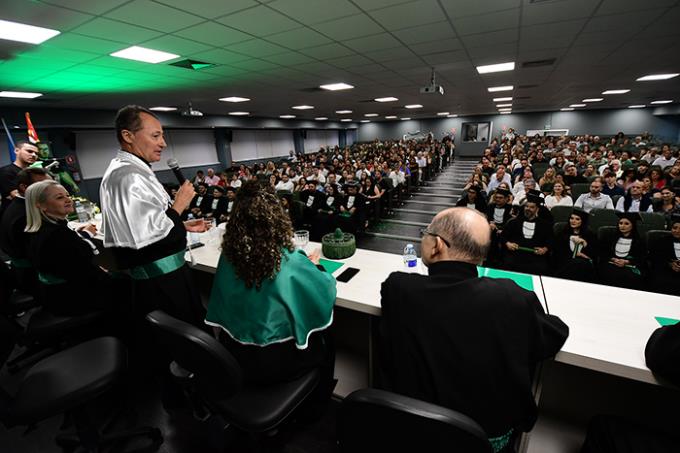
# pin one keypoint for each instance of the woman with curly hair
(270, 303)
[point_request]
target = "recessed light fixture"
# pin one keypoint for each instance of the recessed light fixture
(343, 112)
(499, 67)
(502, 99)
(14, 31)
(302, 107)
(505, 110)
(452, 116)
(666, 101)
(371, 115)
(391, 117)
(19, 94)
(346, 120)
(336, 86)
(239, 113)
(387, 99)
(287, 117)
(567, 109)
(414, 106)
(442, 113)
(593, 100)
(321, 118)
(163, 109)
(637, 106)
(506, 113)
(576, 105)
(501, 88)
(651, 77)
(138, 53)
(615, 91)
(404, 119)
(504, 105)
(234, 99)
(365, 121)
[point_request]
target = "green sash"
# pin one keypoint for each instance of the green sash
(296, 302)
(159, 267)
(20, 263)
(49, 279)
(500, 442)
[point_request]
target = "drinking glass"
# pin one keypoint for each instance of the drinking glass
(301, 239)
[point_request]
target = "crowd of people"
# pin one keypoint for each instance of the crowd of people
(271, 306)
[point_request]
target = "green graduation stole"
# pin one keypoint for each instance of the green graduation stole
(296, 302)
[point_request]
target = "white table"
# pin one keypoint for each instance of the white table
(608, 326)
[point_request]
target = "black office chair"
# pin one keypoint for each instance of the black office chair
(69, 382)
(372, 420)
(206, 368)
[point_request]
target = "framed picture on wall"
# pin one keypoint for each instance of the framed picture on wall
(476, 132)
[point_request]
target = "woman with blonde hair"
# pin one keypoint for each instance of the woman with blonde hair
(547, 180)
(71, 283)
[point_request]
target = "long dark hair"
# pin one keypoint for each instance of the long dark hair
(256, 234)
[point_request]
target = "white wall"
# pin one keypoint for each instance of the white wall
(317, 139)
(248, 144)
(191, 148)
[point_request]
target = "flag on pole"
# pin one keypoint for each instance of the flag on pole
(10, 142)
(32, 134)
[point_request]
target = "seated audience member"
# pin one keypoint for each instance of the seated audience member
(499, 177)
(622, 255)
(199, 178)
(270, 303)
(498, 213)
(528, 186)
(571, 175)
(668, 205)
(235, 182)
(614, 434)
(285, 184)
(211, 178)
(13, 237)
(558, 197)
(527, 239)
(635, 200)
(611, 187)
(575, 249)
(666, 159)
(467, 343)
(547, 180)
(473, 198)
(665, 272)
(216, 207)
(352, 208)
(200, 201)
(230, 199)
(326, 218)
(594, 199)
(312, 199)
(71, 282)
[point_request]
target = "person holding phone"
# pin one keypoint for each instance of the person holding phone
(271, 305)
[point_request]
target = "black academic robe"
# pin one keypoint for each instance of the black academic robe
(14, 241)
(478, 358)
(218, 208)
(312, 201)
(480, 203)
(663, 278)
(624, 277)
(523, 260)
(8, 183)
(325, 218)
(175, 292)
(77, 284)
(494, 256)
(352, 218)
(566, 265)
(197, 203)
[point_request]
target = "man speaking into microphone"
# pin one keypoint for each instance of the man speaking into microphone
(143, 225)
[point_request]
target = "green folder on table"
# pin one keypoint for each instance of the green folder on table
(666, 321)
(523, 280)
(330, 266)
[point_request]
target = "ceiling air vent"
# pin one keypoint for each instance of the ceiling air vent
(194, 65)
(539, 63)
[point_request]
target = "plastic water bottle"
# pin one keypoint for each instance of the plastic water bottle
(81, 213)
(410, 257)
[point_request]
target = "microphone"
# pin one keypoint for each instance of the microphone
(174, 166)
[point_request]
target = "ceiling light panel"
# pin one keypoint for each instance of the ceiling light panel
(144, 54)
(499, 67)
(15, 31)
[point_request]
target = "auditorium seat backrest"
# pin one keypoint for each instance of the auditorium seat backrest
(559, 227)
(539, 169)
(561, 213)
(654, 241)
(602, 217)
(579, 189)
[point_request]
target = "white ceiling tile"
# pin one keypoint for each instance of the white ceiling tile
(408, 15)
(389, 54)
(85, 6)
(629, 21)
(116, 31)
(299, 38)
(369, 5)
(350, 61)
(259, 21)
(462, 8)
(497, 53)
(320, 11)
(145, 13)
(487, 39)
(498, 20)
(257, 48)
(214, 34)
(444, 45)
(327, 51)
(556, 11)
(209, 8)
(445, 57)
(42, 15)
(373, 42)
(425, 33)
(348, 27)
(220, 56)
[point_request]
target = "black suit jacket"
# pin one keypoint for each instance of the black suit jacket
(467, 343)
(12, 236)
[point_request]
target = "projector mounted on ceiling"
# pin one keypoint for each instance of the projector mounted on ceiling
(190, 111)
(432, 87)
